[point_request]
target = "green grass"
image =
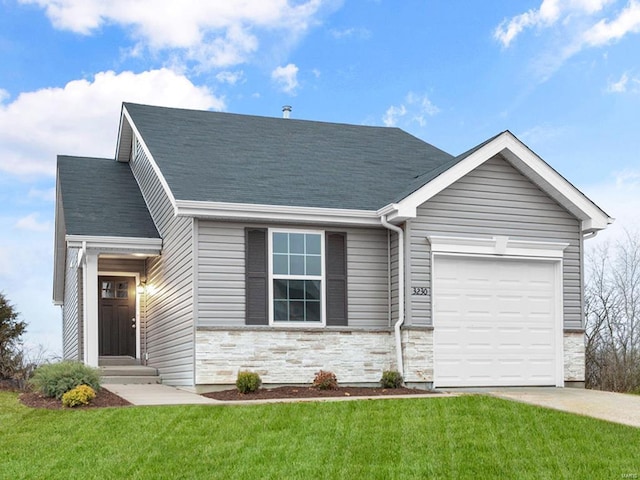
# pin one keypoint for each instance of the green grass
(466, 437)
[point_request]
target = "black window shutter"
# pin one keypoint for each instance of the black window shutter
(256, 276)
(336, 274)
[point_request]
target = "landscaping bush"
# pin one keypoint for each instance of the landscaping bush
(248, 382)
(56, 379)
(391, 379)
(81, 395)
(325, 380)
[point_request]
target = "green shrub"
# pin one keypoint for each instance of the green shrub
(81, 395)
(56, 379)
(391, 379)
(325, 380)
(248, 382)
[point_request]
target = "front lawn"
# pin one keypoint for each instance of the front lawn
(466, 437)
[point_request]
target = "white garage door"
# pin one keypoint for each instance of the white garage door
(494, 322)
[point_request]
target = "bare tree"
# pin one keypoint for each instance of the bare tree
(612, 312)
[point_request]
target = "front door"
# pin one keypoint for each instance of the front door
(117, 316)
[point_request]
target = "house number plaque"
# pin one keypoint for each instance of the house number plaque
(422, 291)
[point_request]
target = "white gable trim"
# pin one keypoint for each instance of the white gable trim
(522, 158)
(154, 165)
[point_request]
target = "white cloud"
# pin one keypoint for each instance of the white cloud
(286, 77)
(605, 31)
(82, 117)
(549, 13)
(357, 32)
(393, 113)
(415, 107)
(32, 224)
(620, 86)
(230, 77)
(214, 33)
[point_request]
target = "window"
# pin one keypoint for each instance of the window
(297, 277)
(111, 289)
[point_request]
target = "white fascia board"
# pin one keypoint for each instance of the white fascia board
(592, 217)
(277, 213)
(148, 246)
(154, 165)
(498, 245)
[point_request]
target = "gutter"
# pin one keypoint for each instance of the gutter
(398, 324)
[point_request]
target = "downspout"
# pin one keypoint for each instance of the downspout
(589, 235)
(398, 324)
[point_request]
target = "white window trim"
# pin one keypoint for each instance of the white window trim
(322, 278)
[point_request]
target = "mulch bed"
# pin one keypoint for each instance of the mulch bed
(310, 392)
(104, 398)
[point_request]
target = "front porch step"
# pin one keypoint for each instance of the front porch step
(127, 374)
(117, 361)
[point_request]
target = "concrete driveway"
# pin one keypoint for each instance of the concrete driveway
(614, 407)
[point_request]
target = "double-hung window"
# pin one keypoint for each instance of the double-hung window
(297, 289)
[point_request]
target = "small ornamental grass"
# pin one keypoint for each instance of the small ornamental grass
(81, 395)
(56, 379)
(325, 380)
(391, 379)
(248, 382)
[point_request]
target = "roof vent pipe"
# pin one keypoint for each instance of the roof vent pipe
(286, 111)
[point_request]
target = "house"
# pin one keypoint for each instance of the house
(216, 242)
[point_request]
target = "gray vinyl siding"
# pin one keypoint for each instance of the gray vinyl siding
(168, 332)
(221, 275)
(71, 310)
(495, 199)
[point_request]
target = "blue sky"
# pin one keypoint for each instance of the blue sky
(562, 75)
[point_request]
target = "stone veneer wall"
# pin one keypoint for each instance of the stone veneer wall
(574, 357)
(417, 346)
(294, 355)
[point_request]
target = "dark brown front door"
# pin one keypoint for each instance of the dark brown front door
(117, 315)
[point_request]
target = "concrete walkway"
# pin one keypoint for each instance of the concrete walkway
(615, 407)
(157, 394)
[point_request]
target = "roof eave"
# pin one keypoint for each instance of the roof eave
(275, 213)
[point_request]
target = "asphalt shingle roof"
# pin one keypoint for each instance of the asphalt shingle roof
(101, 198)
(223, 157)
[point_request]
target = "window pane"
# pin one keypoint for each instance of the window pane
(313, 311)
(313, 265)
(280, 311)
(280, 264)
(280, 289)
(312, 288)
(296, 311)
(281, 243)
(296, 242)
(296, 265)
(296, 289)
(313, 244)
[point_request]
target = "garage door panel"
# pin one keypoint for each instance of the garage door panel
(494, 322)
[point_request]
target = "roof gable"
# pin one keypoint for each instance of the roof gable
(100, 197)
(524, 160)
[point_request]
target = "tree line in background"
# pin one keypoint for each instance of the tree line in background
(612, 316)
